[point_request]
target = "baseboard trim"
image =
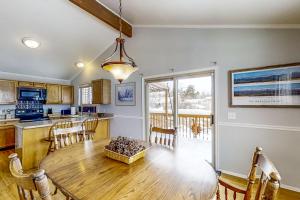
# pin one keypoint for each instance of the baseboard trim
(261, 126)
(288, 187)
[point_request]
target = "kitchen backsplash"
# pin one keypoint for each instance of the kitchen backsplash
(55, 108)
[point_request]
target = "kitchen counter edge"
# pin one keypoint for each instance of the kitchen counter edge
(47, 123)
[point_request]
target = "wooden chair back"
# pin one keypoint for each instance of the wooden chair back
(60, 124)
(67, 136)
(57, 125)
(269, 180)
(89, 125)
(165, 137)
(268, 183)
(27, 183)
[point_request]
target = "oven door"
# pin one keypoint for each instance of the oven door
(30, 94)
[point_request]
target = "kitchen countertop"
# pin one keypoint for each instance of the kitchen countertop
(9, 120)
(4, 123)
(47, 123)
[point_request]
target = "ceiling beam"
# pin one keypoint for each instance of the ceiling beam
(104, 14)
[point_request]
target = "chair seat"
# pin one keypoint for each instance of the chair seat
(231, 186)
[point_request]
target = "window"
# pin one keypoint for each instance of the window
(85, 95)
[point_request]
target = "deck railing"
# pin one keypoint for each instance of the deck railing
(188, 125)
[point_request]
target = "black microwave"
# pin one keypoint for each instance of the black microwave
(32, 94)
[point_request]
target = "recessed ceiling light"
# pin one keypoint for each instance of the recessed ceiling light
(30, 43)
(80, 64)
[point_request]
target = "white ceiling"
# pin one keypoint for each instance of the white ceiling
(67, 34)
(208, 12)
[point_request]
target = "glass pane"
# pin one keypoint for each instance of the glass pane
(194, 96)
(161, 104)
(194, 115)
(86, 95)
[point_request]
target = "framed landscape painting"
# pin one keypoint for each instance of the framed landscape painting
(125, 94)
(271, 86)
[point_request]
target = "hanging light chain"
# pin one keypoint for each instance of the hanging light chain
(120, 17)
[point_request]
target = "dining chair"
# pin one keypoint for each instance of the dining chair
(50, 138)
(67, 136)
(165, 137)
(268, 183)
(89, 126)
(28, 182)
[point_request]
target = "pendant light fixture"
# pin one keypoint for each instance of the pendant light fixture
(124, 66)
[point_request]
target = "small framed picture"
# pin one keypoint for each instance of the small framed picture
(272, 86)
(125, 94)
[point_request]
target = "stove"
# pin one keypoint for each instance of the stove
(29, 110)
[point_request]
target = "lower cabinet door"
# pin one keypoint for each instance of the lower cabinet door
(7, 137)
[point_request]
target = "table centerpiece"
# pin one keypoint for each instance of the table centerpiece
(125, 149)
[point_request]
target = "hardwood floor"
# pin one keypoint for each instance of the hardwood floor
(8, 189)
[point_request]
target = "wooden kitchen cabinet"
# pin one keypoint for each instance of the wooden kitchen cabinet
(31, 84)
(53, 94)
(39, 85)
(56, 94)
(8, 92)
(101, 91)
(7, 136)
(25, 84)
(67, 94)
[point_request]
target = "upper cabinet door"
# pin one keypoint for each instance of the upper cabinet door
(25, 84)
(53, 94)
(101, 91)
(8, 92)
(106, 91)
(39, 85)
(67, 94)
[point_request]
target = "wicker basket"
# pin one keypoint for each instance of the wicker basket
(122, 158)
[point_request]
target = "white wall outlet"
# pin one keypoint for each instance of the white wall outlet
(231, 115)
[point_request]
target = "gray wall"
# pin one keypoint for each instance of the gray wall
(276, 130)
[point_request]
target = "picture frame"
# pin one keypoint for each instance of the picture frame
(125, 94)
(276, 86)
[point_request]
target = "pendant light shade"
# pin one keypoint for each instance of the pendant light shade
(123, 66)
(120, 71)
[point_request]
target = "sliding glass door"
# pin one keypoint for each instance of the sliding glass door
(186, 102)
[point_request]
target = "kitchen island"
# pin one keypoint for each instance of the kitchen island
(30, 138)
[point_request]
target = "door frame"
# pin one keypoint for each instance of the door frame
(176, 75)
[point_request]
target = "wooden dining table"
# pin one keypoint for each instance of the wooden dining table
(84, 172)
